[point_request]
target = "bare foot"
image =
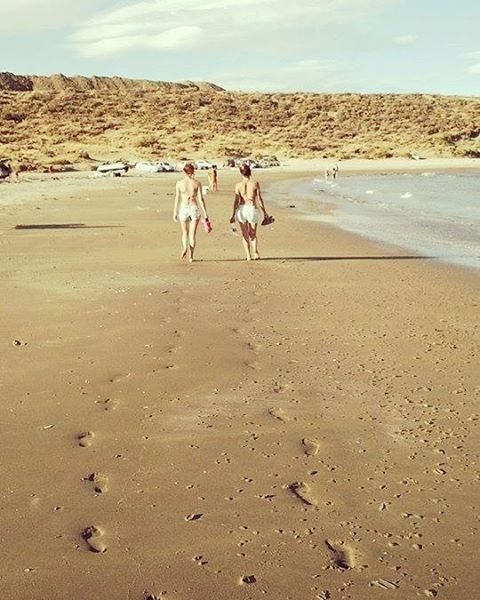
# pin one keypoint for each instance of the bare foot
(256, 256)
(184, 253)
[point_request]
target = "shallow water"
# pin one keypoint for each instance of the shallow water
(433, 214)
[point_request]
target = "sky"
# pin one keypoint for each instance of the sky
(362, 46)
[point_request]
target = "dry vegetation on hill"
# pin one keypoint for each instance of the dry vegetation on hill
(55, 120)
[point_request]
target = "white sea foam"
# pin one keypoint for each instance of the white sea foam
(439, 216)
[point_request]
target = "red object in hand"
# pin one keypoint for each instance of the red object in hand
(207, 225)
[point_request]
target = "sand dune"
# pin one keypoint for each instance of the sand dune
(57, 121)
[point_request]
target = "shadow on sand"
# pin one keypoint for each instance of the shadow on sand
(65, 226)
(323, 258)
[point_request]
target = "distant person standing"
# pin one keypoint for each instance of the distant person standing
(246, 211)
(213, 179)
(188, 207)
(335, 172)
(327, 174)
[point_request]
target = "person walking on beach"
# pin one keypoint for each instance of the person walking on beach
(213, 179)
(188, 207)
(246, 211)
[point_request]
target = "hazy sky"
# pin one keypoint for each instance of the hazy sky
(267, 45)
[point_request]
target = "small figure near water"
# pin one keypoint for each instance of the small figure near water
(213, 179)
(331, 174)
(188, 208)
(246, 211)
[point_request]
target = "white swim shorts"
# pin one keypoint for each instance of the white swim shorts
(189, 212)
(247, 213)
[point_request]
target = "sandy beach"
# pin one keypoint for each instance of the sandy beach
(299, 428)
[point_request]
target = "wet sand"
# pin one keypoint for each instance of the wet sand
(299, 428)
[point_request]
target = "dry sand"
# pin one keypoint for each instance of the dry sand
(297, 428)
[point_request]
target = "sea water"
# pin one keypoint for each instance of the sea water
(433, 214)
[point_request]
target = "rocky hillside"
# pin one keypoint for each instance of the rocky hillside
(56, 120)
(62, 83)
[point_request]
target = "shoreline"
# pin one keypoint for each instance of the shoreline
(282, 179)
(325, 207)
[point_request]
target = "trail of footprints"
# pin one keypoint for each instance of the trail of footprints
(93, 535)
(311, 447)
(342, 556)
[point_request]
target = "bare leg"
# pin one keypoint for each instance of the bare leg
(192, 237)
(184, 225)
(253, 241)
(246, 239)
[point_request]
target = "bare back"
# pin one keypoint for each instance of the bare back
(247, 192)
(189, 190)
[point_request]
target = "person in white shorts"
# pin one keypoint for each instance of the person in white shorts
(246, 211)
(188, 208)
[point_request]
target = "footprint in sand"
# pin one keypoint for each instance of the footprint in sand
(302, 490)
(310, 446)
(194, 517)
(343, 557)
(85, 439)
(279, 414)
(253, 365)
(93, 537)
(108, 404)
(119, 377)
(100, 482)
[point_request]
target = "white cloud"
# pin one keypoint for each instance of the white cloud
(405, 40)
(171, 39)
(21, 16)
(299, 76)
(218, 24)
(475, 69)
